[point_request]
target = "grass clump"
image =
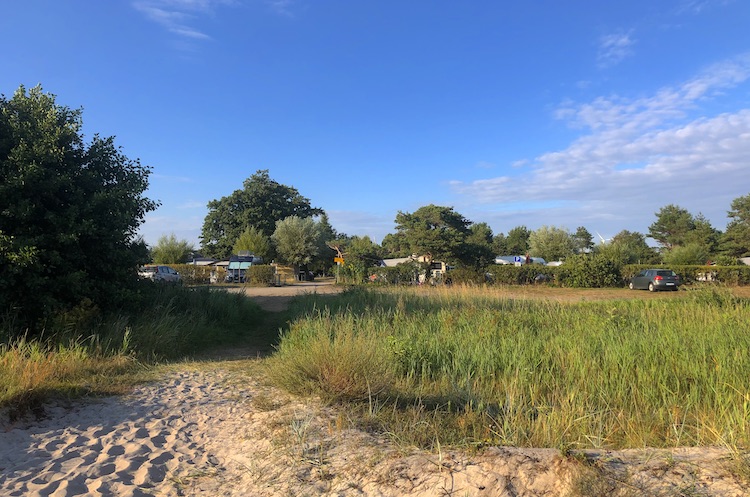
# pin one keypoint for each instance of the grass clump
(83, 351)
(332, 357)
(475, 368)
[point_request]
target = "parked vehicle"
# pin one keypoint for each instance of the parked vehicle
(160, 274)
(238, 266)
(655, 279)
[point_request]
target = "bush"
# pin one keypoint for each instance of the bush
(519, 275)
(589, 271)
(466, 276)
(260, 275)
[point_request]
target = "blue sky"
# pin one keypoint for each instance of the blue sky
(580, 113)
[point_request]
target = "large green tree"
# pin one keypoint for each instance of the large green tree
(517, 241)
(628, 247)
(297, 240)
(478, 249)
(433, 231)
(583, 241)
(551, 243)
(255, 242)
(735, 241)
(170, 250)
(672, 226)
(69, 211)
(260, 203)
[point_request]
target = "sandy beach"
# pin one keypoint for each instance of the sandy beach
(218, 429)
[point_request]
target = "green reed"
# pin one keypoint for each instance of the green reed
(617, 373)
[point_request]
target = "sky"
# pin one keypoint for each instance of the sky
(567, 114)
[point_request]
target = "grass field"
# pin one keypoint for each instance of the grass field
(510, 366)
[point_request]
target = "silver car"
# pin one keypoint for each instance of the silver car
(160, 274)
(655, 279)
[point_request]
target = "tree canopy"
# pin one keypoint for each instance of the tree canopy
(69, 211)
(260, 203)
(170, 250)
(434, 231)
(736, 239)
(297, 240)
(551, 243)
(255, 242)
(672, 226)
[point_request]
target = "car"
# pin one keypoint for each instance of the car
(160, 274)
(655, 279)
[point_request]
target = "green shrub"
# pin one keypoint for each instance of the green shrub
(505, 274)
(260, 275)
(466, 276)
(589, 271)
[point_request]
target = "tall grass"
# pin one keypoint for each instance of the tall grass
(611, 374)
(84, 351)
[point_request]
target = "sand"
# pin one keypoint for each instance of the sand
(218, 428)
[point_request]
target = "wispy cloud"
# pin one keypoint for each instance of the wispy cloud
(638, 152)
(180, 17)
(283, 7)
(614, 47)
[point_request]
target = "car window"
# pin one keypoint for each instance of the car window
(642, 273)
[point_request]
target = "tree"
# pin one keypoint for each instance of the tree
(297, 240)
(735, 241)
(628, 247)
(436, 232)
(170, 250)
(583, 241)
(255, 242)
(261, 203)
(704, 235)
(517, 240)
(499, 245)
(324, 260)
(688, 254)
(672, 226)
(478, 251)
(69, 211)
(551, 243)
(395, 245)
(360, 253)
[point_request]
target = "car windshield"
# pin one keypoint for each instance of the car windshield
(665, 273)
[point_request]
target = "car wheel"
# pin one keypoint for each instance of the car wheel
(651, 287)
(631, 286)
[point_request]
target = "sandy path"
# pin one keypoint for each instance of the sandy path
(222, 431)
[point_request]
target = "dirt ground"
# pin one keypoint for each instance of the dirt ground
(276, 298)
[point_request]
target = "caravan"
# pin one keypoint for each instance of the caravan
(238, 266)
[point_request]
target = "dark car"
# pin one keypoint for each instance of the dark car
(655, 279)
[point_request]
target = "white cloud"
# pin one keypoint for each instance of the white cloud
(638, 154)
(178, 16)
(613, 48)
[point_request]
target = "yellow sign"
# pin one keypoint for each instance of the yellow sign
(339, 260)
